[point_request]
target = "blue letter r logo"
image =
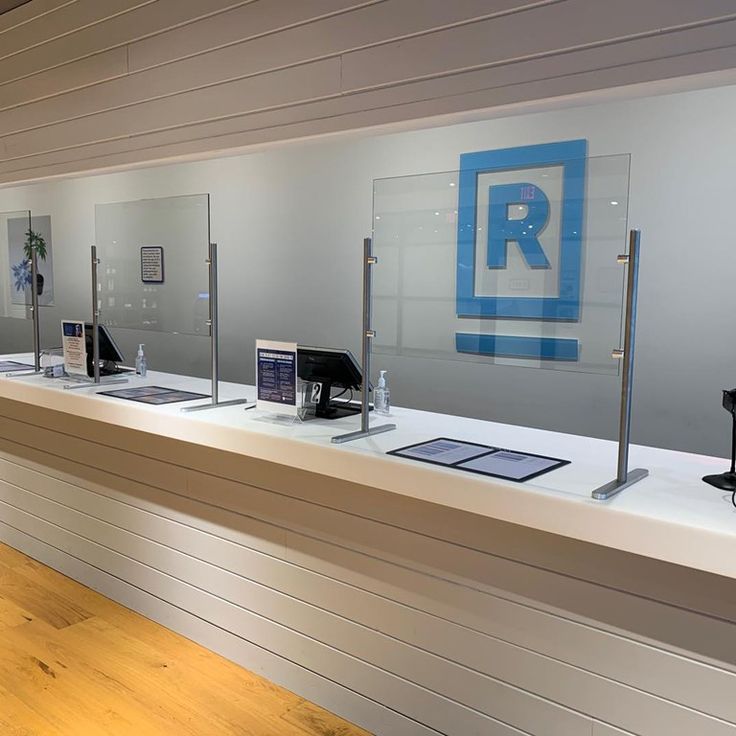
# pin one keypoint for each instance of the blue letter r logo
(523, 230)
(518, 213)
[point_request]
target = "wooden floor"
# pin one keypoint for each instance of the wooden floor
(73, 663)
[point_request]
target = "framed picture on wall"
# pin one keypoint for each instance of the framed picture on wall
(20, 240)
(152, 264)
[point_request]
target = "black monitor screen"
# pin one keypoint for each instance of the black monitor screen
(333, 369)
(338, 367)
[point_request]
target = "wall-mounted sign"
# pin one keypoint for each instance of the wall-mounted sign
(152, 264)
(519, 228)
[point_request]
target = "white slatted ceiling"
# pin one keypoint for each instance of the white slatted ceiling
(124, 80)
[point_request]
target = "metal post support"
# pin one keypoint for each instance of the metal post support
(95, 262)
(35, 312)
(214, 324)
(369, 260)
(95, 317)
(624, 476)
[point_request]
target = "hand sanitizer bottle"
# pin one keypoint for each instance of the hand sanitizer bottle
(141, 365)
(382, 398)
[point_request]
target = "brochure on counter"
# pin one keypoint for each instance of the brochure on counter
(75, 348)
(276, 368)
(496, 462)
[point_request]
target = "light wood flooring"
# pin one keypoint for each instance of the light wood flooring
(74, 663)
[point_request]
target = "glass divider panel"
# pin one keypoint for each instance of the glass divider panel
(515, 269)
(153, 272)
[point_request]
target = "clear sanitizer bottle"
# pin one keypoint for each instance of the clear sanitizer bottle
(141, 364)
(382, 398)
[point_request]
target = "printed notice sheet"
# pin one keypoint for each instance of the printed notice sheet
(511, 465)
(482, 459)
(444, 452)
(155, 395)
(152, 264)
(276, 377)
(74, 346)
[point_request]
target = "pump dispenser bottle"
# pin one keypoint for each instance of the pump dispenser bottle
(141, 364)
(382, 396)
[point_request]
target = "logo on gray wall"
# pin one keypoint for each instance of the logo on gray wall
(519, 245)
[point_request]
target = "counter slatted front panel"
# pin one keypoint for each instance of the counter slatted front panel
(404, 617)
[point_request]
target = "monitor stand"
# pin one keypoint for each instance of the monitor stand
(329, 409)
(726, 481)
(107, 368)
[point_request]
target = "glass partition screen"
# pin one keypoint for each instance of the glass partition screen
(153, 272)
(513, 265)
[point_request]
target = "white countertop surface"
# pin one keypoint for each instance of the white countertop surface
(671, 515)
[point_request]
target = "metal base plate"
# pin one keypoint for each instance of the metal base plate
(609, 490)
(106, 381)
(23, 374)
(205, 407)
(359, 434)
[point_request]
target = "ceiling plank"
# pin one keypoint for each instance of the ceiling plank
(6, 5)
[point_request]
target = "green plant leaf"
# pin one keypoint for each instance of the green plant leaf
(34, 241)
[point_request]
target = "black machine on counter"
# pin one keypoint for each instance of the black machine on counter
(727, 481)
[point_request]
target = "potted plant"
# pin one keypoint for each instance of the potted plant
(35, 242)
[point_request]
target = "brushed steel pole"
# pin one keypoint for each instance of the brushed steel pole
(35, 312)
(214, 324)
(625, 477)
(627, 378)
(95, 317)
(369, 260)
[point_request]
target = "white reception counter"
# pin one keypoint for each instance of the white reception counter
(411, 599)
(670, 516)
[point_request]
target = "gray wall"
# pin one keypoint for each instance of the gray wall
(89, 84)
(290, 224)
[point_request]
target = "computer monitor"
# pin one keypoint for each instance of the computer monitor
(110, 354)
(333, 369)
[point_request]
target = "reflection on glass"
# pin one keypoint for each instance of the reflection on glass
(15, 264)
(503, 266)
(152, 272)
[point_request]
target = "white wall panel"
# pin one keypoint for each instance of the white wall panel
(82, 73)
(297, 45)
(571, 25)
(65, 20)
(104, 68)
(315, 80)
(249, 21)
(601, 729)
(29, 12)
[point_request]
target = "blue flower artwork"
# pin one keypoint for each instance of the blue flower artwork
(22, 275)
